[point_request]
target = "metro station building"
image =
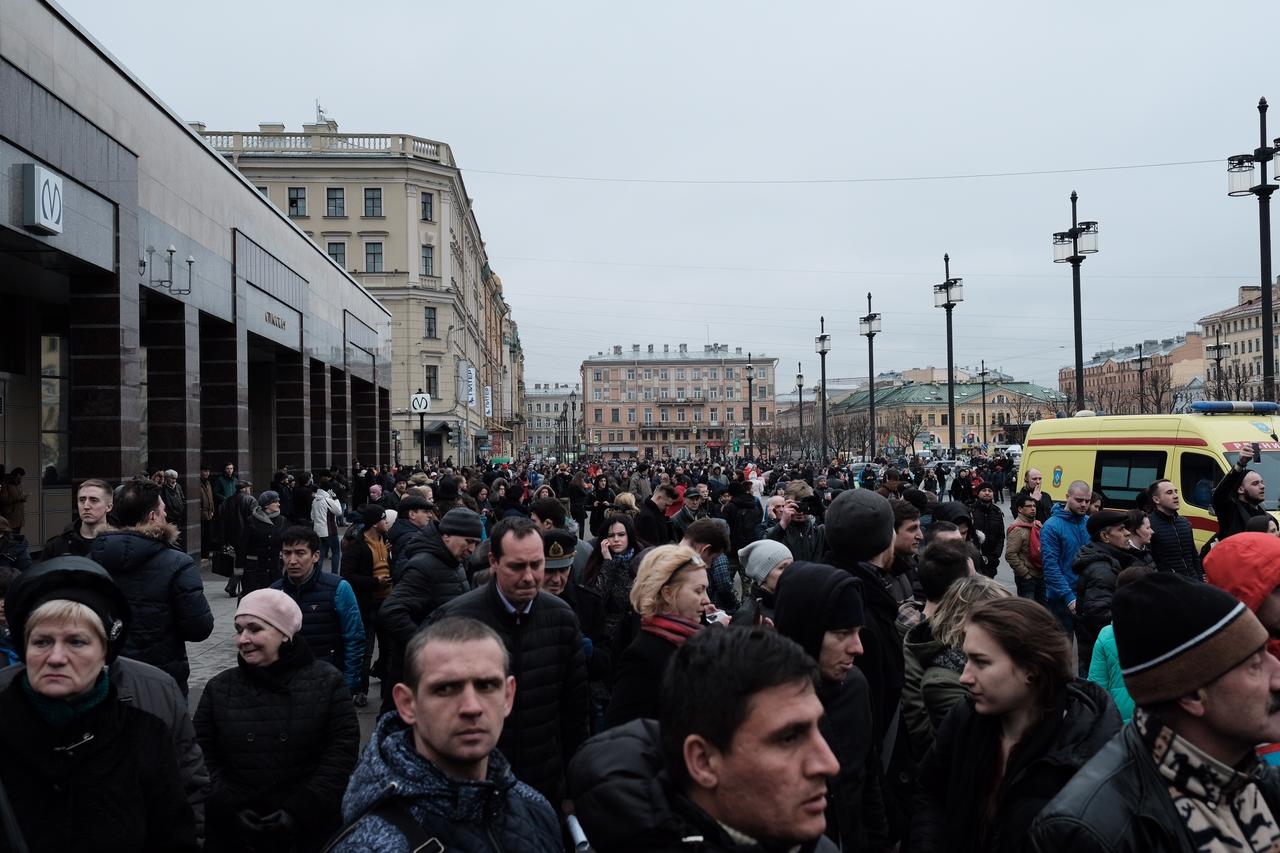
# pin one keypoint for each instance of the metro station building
(158, 311)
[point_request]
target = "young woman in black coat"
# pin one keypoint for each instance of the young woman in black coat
(1028, 726)
(279, 735)
(601, 500)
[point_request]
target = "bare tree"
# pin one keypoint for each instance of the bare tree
(903, 427)
(1159, 389)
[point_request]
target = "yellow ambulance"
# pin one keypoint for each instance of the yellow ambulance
(1121, 455)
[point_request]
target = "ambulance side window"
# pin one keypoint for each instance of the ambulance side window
(1200, 474)
(1121, 475)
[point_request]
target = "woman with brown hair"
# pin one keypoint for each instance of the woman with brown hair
(1029, 724)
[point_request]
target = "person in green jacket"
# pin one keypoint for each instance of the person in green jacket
(1104, 668)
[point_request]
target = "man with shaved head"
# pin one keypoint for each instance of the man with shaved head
(1031, 488)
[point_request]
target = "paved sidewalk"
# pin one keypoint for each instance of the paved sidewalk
(217, 653)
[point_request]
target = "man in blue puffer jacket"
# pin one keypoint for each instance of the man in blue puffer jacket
(432, 771)
(1062, 536)
(330, 614)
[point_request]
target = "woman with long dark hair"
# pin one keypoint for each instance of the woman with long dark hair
(609, 572)
(579, 493)
(601, 500)
(1028, 725)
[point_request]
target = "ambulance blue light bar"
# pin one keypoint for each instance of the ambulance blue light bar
(1223, 407)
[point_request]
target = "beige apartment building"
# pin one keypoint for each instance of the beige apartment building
(545, 403)
(393, 210)
(1238, 329)
(677, 402)
(1138, 379)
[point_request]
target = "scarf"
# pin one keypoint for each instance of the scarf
(670, 627)
(61, 712)
(381, 562)
(1221, 806)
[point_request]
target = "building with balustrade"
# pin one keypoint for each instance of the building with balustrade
(676, 403)
(393, 210)
(552, 411)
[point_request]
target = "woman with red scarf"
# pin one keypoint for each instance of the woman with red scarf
(670, 596)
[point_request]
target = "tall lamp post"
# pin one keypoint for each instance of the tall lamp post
(948, 295)
(1240, 183)
(982, 375)
(822, 346)
(1070, 247)
(564, 431)
(751, 404)
(573, 420)
(1218, 351)
(800, 391)
(870, 326)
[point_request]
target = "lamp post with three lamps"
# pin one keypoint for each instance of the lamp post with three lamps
(870, 327)
(947, 296)
(1070, 247)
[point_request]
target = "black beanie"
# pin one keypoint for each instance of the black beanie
(814, 598)
(1174, 635)
(68, 578)
(859, 525)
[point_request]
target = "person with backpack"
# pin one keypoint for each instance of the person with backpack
(1022, 550)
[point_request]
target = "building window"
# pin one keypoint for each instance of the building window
(746, 413)
(664, 415)
(373, 201)
(764, 414)
(335, 202)
(597, 416)
(431, 380)
(679, 393)
(338, 251)
(680, 415)
(728, 414)
(429, 322)
(728, 373)
(715, 415)
(596, 376)
(427, 214)
(648, 374)
(662, 373)
(697, 414)
(662, 393)
(263, 190)
(427, 265)
(615, 416)
(55, 399)
(648, 416)
(679, 373)
(297, 201)
(631, 416)
(373, 257)
(631, 373)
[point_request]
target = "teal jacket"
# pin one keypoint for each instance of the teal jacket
(1104, 670)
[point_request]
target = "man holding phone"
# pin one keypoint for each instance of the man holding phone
(1239, 495)
(796, 527)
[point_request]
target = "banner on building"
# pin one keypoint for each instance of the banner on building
(471, 387)
(488, 401)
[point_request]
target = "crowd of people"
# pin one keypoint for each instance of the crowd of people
(646, 656)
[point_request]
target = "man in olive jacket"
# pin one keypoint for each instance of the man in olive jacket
(549, 718)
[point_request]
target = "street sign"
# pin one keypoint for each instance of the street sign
(419, 403)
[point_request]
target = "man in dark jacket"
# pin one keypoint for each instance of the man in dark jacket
(1097, 566)
(1173, 543)
(432, 777)
(432, 573)
(737, 765)
(743, 515)
(653, 528)
(1183, 776)
(93, 503)
(1033, 481)
(162, 584)
(988, 519)
(820, 607)
(1238, 497)
(412, 519)
(549, 719)
(797, 526)
(695, 507)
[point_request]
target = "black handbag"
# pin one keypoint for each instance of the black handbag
(223, 563)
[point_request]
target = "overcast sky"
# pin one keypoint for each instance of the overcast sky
(784, 104)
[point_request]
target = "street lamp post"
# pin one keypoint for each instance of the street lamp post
(800, 391)
(982, 375)
(751, 404)
(1240, 183)
(870, 326)
(573, 421)
(822, 346)
(1070, 247)
(564, 431)
(946, 296)
(1218, 351)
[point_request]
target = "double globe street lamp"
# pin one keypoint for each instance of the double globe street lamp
(869, 326)
(1240, 183)
(1070, 247)
(947, 296)
(800, 404)
(822, 346)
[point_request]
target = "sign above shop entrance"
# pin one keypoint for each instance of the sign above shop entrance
(41, 199)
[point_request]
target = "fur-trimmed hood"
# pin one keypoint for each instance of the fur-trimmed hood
(132, 548)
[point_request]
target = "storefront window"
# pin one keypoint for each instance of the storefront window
(55, 395)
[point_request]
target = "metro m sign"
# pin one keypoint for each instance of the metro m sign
(41, 199)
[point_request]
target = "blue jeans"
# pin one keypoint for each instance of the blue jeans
(332, 545)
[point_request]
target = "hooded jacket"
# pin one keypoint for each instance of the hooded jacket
(742, 513)
(499, 812)
(957, 774)
(653, 528)
(1248, 567)
(931, 684)
(805, 541)
(1096, 566)
(625, 800)
(1062, 536)
(165, 594)
(855, 809)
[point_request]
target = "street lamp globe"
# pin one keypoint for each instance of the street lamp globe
(1240, 175)
(869, 325)
(800, 381)
(1087, 241)
(822, 344)
(1061, 247)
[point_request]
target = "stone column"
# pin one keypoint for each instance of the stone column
(321, 453)
(340, 419)
(293, 410)
(364, 417)
(224, 398)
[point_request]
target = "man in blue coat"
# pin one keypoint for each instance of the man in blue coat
(331, 619)
(1062, 536)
